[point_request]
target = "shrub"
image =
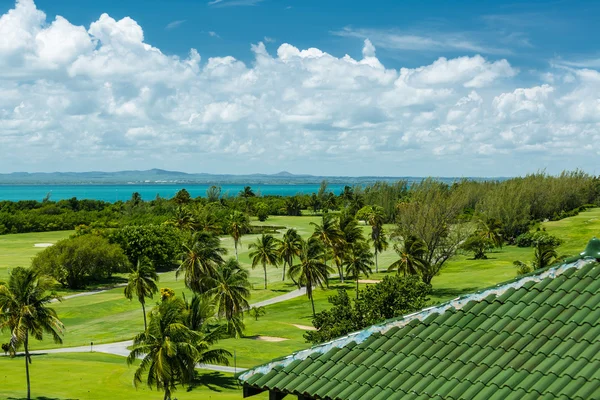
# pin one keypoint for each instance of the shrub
(75, 262)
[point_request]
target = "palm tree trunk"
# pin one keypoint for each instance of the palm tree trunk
(265, 269)
(283, 274)
(312, 302)
(356, 286)
(26, 345)
(340, 272)
(167, 393)
(144, 311)
(237, 258)
(376, 265)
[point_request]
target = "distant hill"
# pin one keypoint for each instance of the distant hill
(160, 176)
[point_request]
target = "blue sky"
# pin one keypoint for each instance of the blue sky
(532, 33)
(332, 88)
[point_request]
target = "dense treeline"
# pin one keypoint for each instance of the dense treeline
(515, 203)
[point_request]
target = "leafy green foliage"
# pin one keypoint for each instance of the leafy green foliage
(432, 216)
(392, 297)
(262, 211)
(311, 271)
(530, 239)
(202, 255)
(265, 252)
(158, 244)
(141, 283)
(478, 245)
(24, 311)
(229, 290)
(257, 312)
(78, 261)
(170, 349)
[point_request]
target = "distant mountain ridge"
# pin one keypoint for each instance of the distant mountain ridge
(161, 176)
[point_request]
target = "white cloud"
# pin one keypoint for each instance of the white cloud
(421, 41)
(103, 98)
(175, 24)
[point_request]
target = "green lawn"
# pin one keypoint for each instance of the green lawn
(99, 376)
(18, 250)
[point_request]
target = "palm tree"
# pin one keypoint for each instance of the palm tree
(238, 225)
(328, 233)
(170, 350)
(257, 312)
(246, 193)
(183, 219)
(544, 255)
(490, 229)
(230, 290)
(376, 218)
(289, 247)
(311, 270)
(200, 259)
(412, 253)
(199, 312)
(359, 261)
(142, 283)
(265, 252)
(24, 311)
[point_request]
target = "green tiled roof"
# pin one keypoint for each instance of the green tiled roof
(535, 337)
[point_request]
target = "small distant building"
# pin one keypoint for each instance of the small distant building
(537, 337)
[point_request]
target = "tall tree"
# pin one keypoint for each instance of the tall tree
(24, 311)
(142, 284)
(432, 216)
(359, 261)
(202, 255)
(311, 271)
(264, 252)
(376, 218)
(230, 291)
(289, 248)
(350, 233)
(411, 252)
(170, 350)
(238, 225)
(328, 232)
(213, 193)
(246, 193)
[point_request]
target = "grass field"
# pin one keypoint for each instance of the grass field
(108, 317)
(97, 376)
(18, 250)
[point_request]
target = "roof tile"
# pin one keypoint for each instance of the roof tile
(541, 340)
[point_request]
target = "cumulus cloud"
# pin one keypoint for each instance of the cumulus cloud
(100, 97)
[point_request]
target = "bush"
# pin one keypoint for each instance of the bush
(159, 244)
(394, 296)
(530, 239)
(77, 261)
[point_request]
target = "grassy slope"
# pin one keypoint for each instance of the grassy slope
(99, 376)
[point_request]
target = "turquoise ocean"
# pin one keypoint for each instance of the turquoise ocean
(114, 193)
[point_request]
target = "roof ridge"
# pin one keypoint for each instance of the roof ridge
(420, 315)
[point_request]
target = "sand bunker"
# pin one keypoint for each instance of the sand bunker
(266, 338)
(42, 244)
(368, 281)
(305, 327)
